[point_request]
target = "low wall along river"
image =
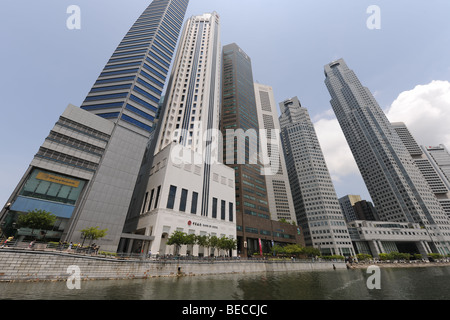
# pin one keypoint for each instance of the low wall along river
(53, 266)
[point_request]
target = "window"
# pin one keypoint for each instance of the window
(171, 198)
(184, 194)
(222, 210)
(151, 200)
(157, 196)
(214, 208)
(231, 214)
(145, 202)
(194, 203)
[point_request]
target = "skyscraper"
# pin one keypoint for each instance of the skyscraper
(256, 231)
(425, 160)
(187, 189)
(106, 156)
(316, 205)
(347, 202)
(277, 181)
(440, 157)
(395, 184)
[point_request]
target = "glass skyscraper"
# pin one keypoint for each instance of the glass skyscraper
(130, 86)
(128, 92)
(256, 231)
(86, 170)
(398, 189)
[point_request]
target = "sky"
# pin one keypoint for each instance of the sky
(405, 62)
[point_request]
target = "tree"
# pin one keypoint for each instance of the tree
(37, 219)
(202, 241)
(227, 244)
(93, 233)
(293, 249)
(190, 239)
(311, 251)
(277, 249)
(213, 243)
(178, 238)
(363, 256)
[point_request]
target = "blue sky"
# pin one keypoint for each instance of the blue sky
(44, 66)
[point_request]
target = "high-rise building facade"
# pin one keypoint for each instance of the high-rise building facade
(426, 163)
(347, 202)
(126, 95)
(188, 189)
(398, 189)
(440, 158)
(278, 188)
(316, 205)
(256, 231)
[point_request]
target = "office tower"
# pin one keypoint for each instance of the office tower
(316, 205)
(187, 188)
(364, 210)
(347, 202)
(440, 158)
(427, 165)
(278, 189)
(126, 95)
(256, 232)
(395, 184)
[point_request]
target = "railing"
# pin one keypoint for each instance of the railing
(90, 251)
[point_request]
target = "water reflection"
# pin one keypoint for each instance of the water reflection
(396, 284)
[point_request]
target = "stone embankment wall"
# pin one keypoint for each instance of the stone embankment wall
(50, 266)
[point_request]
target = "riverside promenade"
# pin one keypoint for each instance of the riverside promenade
(52, 265)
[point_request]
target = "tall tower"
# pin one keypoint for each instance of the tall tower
(193, 100)
(129, 88)
(277, 181)
(316, 205)
(426, 162)
(395, 184)
(256, 231)
(88, 166)
(182, 185)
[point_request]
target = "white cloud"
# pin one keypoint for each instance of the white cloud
(336, 151)
(426, 112)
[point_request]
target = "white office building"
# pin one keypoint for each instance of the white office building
(316, 205)
(279, 194)
(185, 187)
(396, 185)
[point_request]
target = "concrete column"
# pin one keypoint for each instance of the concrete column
(130, 245)
(374, 248)
(380, 245)
(423, 248)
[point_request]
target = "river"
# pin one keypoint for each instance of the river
(421, 283)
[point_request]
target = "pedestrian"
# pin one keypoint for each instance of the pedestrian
(31, 244)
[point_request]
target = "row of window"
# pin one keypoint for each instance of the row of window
(194, 201)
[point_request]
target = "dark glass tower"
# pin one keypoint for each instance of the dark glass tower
(256, 232)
